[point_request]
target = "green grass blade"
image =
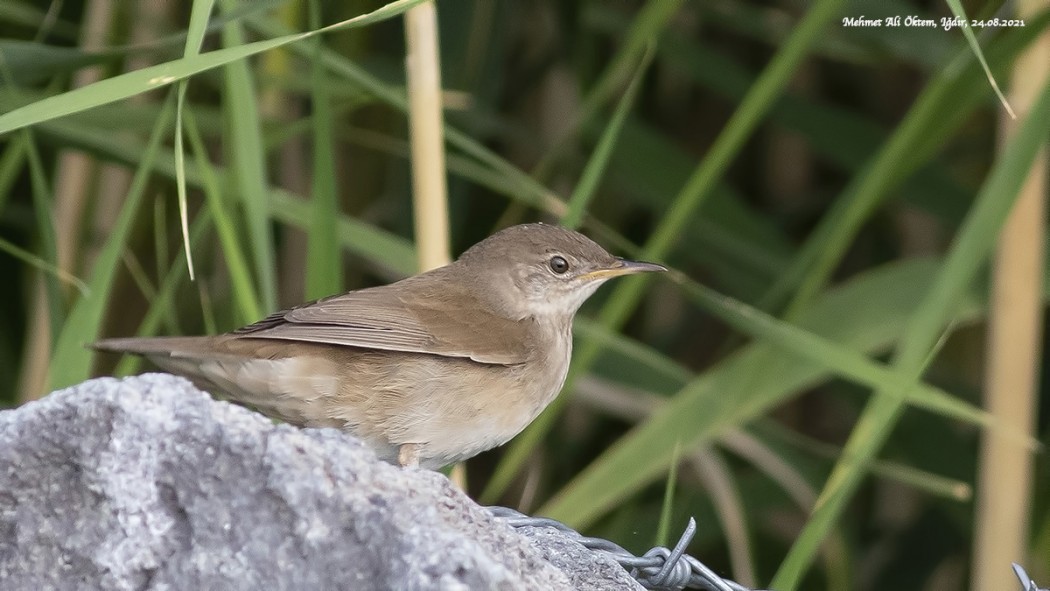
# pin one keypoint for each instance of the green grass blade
(48, 268)
(248, 162)
(655, 362)
(728, 144)
(646, 27)
(200, 14)
(160, 255)
(778, 437)
(154, 77)
(664, 525)
(130, 84)
(180, 176)
(28, 63)
(968, 254)
(392, 253)
(33, 63)
(43, 211)
(960, 13)
(27, 15)
(812, 347)
(648, 24)
(748, 383)
(324, 269)
(163, 302)
(194, 39)
(592, 173)
(249, 307)
(11, 162)
(520, 186)
(70, 361)
(898, 157)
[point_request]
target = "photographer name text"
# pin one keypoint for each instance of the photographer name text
(944, 23)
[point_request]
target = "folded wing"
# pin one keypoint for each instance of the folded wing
(406, 319)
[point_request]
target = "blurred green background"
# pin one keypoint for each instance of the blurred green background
(829, 197)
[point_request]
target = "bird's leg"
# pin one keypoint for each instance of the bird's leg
(408, 455)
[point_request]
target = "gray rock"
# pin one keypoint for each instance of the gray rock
(147, 483)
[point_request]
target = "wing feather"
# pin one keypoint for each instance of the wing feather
(411, 318)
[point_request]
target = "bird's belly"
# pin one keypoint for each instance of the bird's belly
(451, 408)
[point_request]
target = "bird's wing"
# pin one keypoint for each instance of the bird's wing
(408, 320)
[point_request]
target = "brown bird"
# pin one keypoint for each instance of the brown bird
(428, 371)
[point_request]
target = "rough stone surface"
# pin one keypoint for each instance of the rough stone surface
(576, 561)
(147, 483)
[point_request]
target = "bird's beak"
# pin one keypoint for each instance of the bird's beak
(624, 267)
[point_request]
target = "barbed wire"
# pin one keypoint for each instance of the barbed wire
(1026, 582)
(659, 569)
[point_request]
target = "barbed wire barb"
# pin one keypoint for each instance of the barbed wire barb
(1026, 581)
(659, 569)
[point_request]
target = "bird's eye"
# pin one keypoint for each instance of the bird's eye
(558, 264)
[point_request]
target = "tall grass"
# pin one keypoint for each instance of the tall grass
(803, 382)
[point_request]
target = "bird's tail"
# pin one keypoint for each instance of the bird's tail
(157, 346)
(281, 387)
(184, 356)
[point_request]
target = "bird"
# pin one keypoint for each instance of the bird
(427, 371)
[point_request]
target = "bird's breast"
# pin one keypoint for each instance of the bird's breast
(549, 365)
(475, 406)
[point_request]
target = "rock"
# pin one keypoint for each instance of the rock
(148, 483)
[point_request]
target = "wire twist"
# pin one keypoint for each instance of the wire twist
(662, 569)
(659, 569)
